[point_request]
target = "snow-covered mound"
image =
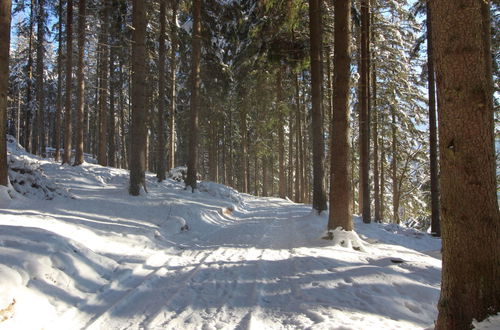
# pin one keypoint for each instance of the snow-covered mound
(27, 177)
(213, 258)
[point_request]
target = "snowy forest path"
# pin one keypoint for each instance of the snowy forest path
(220, 278)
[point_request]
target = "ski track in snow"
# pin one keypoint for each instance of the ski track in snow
(260, 265)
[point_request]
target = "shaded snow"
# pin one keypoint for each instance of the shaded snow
(106, 260)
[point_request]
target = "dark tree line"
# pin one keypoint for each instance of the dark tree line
(261, 96)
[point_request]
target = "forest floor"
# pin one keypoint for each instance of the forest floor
(95, 257)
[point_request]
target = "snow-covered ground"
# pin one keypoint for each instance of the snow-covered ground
(92, 256)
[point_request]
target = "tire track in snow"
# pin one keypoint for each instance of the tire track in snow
(107, 318)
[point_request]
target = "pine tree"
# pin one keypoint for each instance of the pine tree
(5, 17)
(470, 217)
(340, 179)
(161, 94)
(195, 96)
(433, 143)
(139, 111)
(319, 198)
(80, 86)
(69, 72)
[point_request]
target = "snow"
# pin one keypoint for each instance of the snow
(89, 255)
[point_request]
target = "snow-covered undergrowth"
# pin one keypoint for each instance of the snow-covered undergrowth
(107, 260)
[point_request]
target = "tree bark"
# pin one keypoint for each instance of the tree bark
(470, 218)
(298, 155)
(195, 96)
(364, 128)
(38, 133)
(57, 137)
(138, 130)
(161, 166)
(80, 85)
(244, 140)
(69, 73)
(281, 133)
(433, 143)
(171, 126)
(376, 173)
(394, 168)
(5, 19)
(102, 155)
(29, 72)
(315, 35)
(340, 186)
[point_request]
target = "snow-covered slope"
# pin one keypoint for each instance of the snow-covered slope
(91, 256)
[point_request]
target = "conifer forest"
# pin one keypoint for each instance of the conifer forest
(359, 115)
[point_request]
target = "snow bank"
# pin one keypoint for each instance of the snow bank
(491, 323)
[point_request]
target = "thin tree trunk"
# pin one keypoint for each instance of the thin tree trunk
(244, 141)
(112, 103)
(5, 19)
(364, 129)
(382, 176)
(264, 176)
(29, 69)
(171, 131)
(394, 167)
(470, 217)
(340, 187)
(298, 155)
(161, 94)
(315, 35)
(376, 174)
(57, 137)
(195, 96)
(433, 143)
(124, 145)
(69, 72)
(80, 86)
(102, 155)
(39, 134)
(281, 133)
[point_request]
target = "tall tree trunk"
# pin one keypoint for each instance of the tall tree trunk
(470, 218)
(80, 85)
(364, 129)
(376, 173)
(264, 176)
(161, 161)
(291, 155)
(298, 154)
(29, 90)
(433, 143)
(5, 19)
(69, 73)
(315, 35)
(39, 133)
(171, 126)
(394, 168)
(195, 96)
(102, 155)
(244, 140)
(123, 141)
(340, 186)
(281, 133)
(138, 128)
(382, 174)
(112, 103)
(57, 137)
